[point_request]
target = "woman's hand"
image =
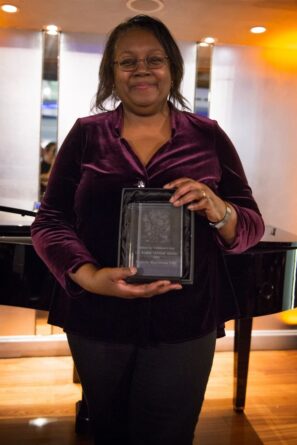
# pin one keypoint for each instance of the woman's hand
(110, 281)
(200, 198)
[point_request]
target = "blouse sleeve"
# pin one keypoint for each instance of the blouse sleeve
(235, 189)
(53, 232)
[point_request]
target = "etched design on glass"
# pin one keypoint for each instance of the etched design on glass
(155, 239)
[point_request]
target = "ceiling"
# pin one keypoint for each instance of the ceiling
(227, 20)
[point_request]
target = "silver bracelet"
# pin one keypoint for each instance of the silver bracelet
(222, 222)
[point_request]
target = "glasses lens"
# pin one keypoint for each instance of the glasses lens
(155, 61)
(128, 64)
(151, 62)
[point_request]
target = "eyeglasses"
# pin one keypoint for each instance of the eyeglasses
(151, 62)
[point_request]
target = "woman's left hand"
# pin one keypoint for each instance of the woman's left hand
(200, 198)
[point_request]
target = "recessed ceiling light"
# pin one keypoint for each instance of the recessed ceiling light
(209, 40)
(145, 6)
(52, 30)
(9, 8)
(258, 29)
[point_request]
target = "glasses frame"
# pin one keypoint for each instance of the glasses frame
(144, 60)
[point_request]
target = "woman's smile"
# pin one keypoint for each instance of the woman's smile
(143, 86)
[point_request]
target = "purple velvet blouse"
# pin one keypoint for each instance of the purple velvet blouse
(78, 222)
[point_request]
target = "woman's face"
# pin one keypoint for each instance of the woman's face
(142, 91)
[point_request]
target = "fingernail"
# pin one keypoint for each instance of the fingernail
(133, 270)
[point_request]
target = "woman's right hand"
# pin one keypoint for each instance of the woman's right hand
(111, 281)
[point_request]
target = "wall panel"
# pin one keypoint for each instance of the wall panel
(20, 92)
(254, 98)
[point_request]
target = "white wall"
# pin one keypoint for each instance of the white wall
(254, 99)
(80, 56)
(20, 94)
(188, 51)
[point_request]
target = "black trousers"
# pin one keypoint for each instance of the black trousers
(143, 396)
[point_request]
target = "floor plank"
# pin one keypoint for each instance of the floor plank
(42, 387)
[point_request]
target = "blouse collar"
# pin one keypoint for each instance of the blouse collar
(118, 116)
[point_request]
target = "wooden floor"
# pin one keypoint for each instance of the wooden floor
(34, 388)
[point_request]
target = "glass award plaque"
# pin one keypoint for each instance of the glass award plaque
(155, 236)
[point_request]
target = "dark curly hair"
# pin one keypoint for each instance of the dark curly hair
(106, 72)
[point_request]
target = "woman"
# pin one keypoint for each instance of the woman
(46, 165)
(143, 351)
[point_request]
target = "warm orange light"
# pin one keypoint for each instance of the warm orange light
(289, 317)
(287, 40)
(281, 51)
(283, 59)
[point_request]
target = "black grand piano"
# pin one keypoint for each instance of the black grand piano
(263, 278)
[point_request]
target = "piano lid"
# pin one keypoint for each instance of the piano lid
(22, 212)
(16, 230)
(277, 235)
(276, 238)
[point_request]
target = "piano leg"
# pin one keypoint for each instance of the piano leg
(242, 344)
